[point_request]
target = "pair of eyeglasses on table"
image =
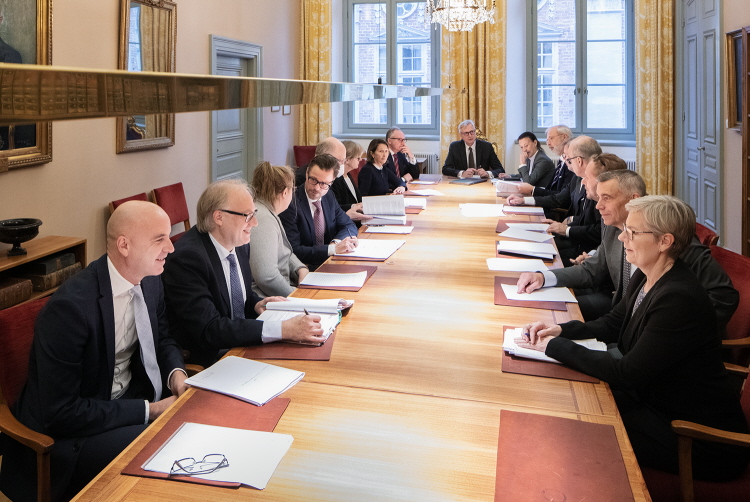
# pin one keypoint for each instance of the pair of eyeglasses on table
(190, 467)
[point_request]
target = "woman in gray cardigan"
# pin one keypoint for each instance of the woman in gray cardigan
(276, 270)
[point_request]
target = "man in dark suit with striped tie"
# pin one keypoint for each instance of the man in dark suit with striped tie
(400, 159)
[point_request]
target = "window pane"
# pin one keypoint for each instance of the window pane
(606, 63)
(371, 112)
(556, 105)
(606, 20)
(607, 107)
(370, 43)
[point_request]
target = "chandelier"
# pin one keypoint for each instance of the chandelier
(460, 15)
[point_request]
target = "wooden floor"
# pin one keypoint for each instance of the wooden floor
(408, 407)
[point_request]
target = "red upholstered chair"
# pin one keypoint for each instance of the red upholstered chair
(707, 236)
(116, 203)
(303, 154)
(16, 335)
(737, 268)
(355, 172)
(171, 199)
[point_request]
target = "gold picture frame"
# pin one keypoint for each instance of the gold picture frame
(734, 79)
(148, 32)
(25, 144)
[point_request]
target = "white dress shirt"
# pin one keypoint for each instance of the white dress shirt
(271, 331)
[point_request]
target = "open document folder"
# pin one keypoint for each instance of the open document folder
(245, 379)
(248, 457)
(511, 347)
(331, 306)
(535, 249)
(385, 209)
(353, 280)
(374, 249)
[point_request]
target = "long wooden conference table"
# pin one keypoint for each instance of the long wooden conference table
(408, 407)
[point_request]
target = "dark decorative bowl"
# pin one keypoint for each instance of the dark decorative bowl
(17, 231)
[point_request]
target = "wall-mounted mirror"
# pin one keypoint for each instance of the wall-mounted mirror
(148, 30)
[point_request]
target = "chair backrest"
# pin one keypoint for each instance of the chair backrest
(303, 154)
(116, 203)
(16, 335)
(355, 172)
(171, 199)
(737, 268)
(707, 236)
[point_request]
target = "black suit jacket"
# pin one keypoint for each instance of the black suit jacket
(343, 195)
(586, 226)
(299, 228)
(71, 369)
(374, 181)
(404, 166)
(671, 353)
(486, 158)
(198, 303)
(561, 177)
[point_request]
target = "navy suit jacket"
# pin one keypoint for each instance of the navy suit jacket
(71, 368)
(404, 166)
(198, 304)
(299, 228)
(556, 183)
(586, 226)
(374, 181)
(486, 158)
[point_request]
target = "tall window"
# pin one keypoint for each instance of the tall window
(583, 73)
(391, 42)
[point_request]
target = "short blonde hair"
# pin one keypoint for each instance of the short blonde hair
(269, 181)
(214, 198)
(353, 149)
(665, 214)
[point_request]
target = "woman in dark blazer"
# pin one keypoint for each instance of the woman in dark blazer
(345, 187)
(665, 329)
(373, 179)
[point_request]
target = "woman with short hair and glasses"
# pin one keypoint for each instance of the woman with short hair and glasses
(373, 178)
(276, 269)
(668, 363)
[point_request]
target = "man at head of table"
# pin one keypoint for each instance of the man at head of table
(607, 273)
(208, 283)
(102, 363)
(470, 156)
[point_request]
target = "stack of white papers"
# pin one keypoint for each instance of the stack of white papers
(389, 229)
(535, 249)
(415, 202)
(331, 306)
(511, 347)
(385, 220)
(515, 265)
(245, 379)
(540, 295)
(531, 227)
(374, 248)
(426, 192)
(525, 235)
(524, 210)
(328, 322)
(507, 187)
(386, 209)
(481, 210)
(252, 456)
(420, 182)
(355, 280)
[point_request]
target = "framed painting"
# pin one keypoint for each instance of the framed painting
(25, 38)
(734, 69)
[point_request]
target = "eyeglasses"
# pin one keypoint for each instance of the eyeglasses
(190, 467)
(553, 136)
(248, 216)
(321, 184)
(571, 159)
(632, 233)
(402, 140)
(469, 133)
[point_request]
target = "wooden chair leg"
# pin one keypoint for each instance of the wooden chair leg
(685, 458)
(43, 477)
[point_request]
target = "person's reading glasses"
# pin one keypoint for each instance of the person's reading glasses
(469, 133)
(190, 467)
(632, 233)
(321, 184)
(248, 216)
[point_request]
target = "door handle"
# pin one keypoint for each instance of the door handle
(701, 148)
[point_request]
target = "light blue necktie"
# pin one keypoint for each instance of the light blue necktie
(146, 339)
(235, 289)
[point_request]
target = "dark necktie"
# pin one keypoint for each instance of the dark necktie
(471, 159)
(319, 222)
(146, 340)
(395, 165)
(558, 173)
(235, 289)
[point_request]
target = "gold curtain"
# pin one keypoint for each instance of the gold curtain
(155, 38)
(474, 62)
(654, 61)
(315, 64)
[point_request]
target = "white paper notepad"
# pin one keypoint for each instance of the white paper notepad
(515, 265)
(374, 248)
(252, 456)
(535, 249)
(389, 229)
(510, 346)
(325, 279)
(481, 210)
(531, 227)
(540, 295)
(524, 210)
(525, 235)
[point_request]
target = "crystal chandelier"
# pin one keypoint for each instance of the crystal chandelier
(460, 15)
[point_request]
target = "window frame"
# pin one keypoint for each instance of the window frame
(393, 59)
(625, 135)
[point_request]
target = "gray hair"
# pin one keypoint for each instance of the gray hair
(665, 214)
(586, 147)
(213, 198)
(629, 182)
(464, 124)
(561, 129)
(390, 132)
(328, 145)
